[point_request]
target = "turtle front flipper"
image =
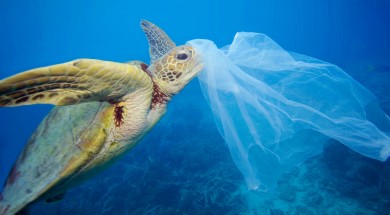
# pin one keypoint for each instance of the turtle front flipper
(72, 83)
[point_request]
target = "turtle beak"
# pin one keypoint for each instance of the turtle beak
(199, 65)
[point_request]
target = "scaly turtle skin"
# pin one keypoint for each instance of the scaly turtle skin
(103, 110)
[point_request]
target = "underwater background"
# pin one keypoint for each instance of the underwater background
(183, 165)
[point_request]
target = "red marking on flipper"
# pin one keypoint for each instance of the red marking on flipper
(118, 114)
(13, 175)
(5, 209)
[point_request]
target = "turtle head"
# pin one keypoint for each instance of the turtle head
(175, 69)
(171, 67)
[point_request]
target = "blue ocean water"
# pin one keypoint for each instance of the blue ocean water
(183, 166)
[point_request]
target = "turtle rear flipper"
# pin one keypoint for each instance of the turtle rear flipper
(55, 198)
(72, 83)
(24, 211)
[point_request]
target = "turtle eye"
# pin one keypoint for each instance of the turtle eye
(183, 55)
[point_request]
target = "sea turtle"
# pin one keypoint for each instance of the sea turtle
(103, 110)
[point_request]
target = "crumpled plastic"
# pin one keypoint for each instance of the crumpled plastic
(275, 109)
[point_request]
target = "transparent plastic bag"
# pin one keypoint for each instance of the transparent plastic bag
(275, 109)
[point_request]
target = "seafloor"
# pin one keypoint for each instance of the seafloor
(184, 167)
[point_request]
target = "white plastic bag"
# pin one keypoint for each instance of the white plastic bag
(276, 109)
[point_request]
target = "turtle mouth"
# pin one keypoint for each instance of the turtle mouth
(192, 73)
(198, 65)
